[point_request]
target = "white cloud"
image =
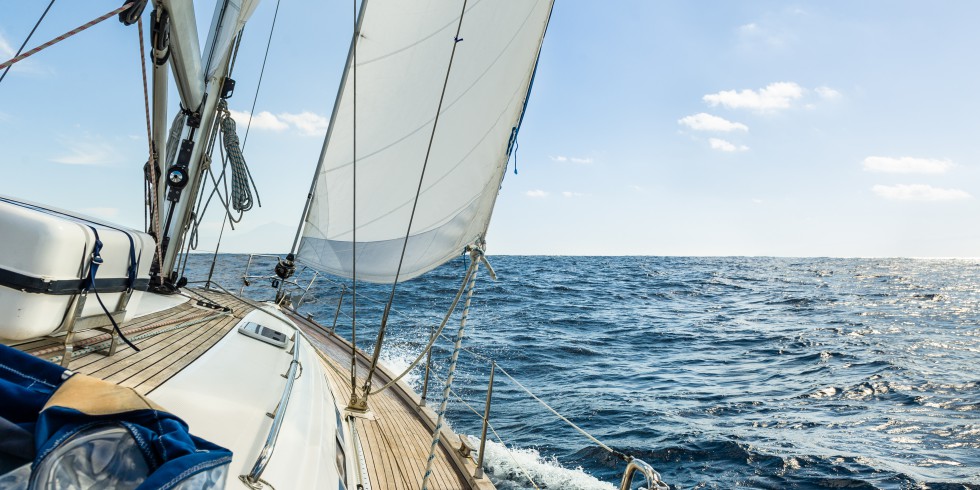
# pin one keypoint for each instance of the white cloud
(752, 34)
(564, 159)
(907, 165)
(707, 122)
(775, 96)
(918, 192)
(263, 120)
(89, 153)
(569, 194)
(6, 50)
(726, 146)
(537, 193)
(827, 93)
(307, 122)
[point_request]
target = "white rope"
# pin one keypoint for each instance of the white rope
(569, 422)
(474, 266)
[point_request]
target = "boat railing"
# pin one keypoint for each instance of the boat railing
(653, 480)
(254, 477)
(290, 283)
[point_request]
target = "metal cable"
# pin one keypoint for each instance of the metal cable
(62, 37)
(261, 74)
(459, 293)
(415, 203)
(592, 438)
(501, 439)
(21, 48)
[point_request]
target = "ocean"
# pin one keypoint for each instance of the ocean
(719, 372)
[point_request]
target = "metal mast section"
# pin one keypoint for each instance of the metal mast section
(200, 83)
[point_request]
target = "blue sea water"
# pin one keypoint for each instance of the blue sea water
(719, 372)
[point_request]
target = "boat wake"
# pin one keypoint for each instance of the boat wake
(510, 468)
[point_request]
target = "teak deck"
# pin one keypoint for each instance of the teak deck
(395, 435)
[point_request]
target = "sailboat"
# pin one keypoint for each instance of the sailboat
(116, 373)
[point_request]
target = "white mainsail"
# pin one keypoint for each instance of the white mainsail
(403, 53)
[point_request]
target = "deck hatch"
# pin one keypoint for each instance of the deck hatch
(265, 334)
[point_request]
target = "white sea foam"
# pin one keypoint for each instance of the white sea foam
(510, 468)
(397, 358)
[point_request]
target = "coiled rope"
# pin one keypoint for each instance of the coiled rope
(241, 190)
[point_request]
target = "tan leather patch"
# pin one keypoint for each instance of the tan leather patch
(93, 396)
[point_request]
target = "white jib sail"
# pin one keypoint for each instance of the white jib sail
(402, 54)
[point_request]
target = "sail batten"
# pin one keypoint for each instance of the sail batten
(406, 48)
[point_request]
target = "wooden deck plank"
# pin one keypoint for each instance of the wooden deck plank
(159, 355)
(108, 367)
(148, 380)
(50, 347)
(94, 361)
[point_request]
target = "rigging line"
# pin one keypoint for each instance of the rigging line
(495, 433)
(154, 211)
(353, 300)
(64, 36)
(623, 456)
(451, 373)
(259, 85)
(513, 458)
(411, 218)
(452, 307)
(21, 48)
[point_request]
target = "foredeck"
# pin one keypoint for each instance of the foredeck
(395, 436)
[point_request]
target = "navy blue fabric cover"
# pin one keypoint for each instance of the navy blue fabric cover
(26, 384)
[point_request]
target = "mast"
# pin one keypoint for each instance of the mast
(161, 64)
(199, 97)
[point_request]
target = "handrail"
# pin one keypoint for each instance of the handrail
(295, 283)
(254, 477)
(653, 480)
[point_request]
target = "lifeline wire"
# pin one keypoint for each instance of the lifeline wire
(624, 457)
(502, 443)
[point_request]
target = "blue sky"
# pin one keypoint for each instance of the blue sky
(830, 128)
